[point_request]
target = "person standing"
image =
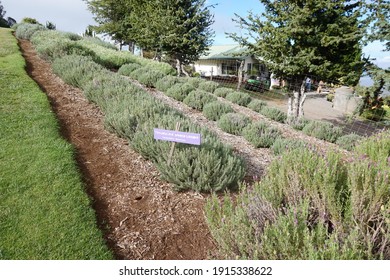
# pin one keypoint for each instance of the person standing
(308, 84)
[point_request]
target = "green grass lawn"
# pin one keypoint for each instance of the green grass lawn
(45, 212)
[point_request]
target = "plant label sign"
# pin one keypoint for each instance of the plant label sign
(177, 136)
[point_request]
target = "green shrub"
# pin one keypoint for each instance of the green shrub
(167, 82)
(282, 145)
(310, 206)
(222, 91)
(256, 105)
(209, 167)
(111, 58)
(348, 141)
(193, 81)
(137, 73)
(180, 91)
(240, 98)
(122, 123)
(126, 69)
(94, 41)
(377, 147)
(208, 86)
(260, 134)
(233, 123)
(298, 123)
(76, 70)
(214, 110)
(376, 114)
(197, 99)
(26, 30)
(52, 44)
(323, 130)
(150, 77)
(274, 114)
(330, 97)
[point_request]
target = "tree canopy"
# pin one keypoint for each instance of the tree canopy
(296, 38)
(112, 17)
(3, 22)
(179, 29)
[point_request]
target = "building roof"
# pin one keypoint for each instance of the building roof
(224, 52)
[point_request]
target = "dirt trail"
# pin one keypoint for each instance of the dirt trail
(140, 215)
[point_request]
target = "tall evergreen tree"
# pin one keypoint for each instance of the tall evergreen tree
(179, 29)
(306, 37)
(3, 22)
(113, 18)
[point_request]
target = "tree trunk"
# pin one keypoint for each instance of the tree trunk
(240, 72)
(184, 71)
(131, 47)
(295, 104)
(178, 67)
(290, 112)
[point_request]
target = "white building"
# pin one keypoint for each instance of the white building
(225, 60)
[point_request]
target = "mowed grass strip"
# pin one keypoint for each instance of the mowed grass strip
(45, 212)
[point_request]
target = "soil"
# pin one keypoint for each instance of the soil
(140, 215)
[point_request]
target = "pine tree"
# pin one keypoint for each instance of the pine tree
(297, 38)
(113, 19)
(179, 29)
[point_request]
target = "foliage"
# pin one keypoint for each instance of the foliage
(150, 77)
(179, 29)
(323, 130)
(208, 86)
(349, 141)
(99, 42)
(309, 207)
(274, 114)
(76, 70)
(50, 25)
(376, 148)
(195, 82)
(260, 134)
(111, 58)
(127, 69)
(3, 22)
(51, 44)
(180, 91)
(378, 14)
(296, 38)
(240, 98)
(372, 105)
(233, 123)
(298, 123)
(132, 113)
(210, 167)
(182, 33)
(214, 110)
(256, 105)
(167, 82)
(26, 30)
(45, 212)
(112, 17)
(222, 91)
(282, 145)
(197, 99)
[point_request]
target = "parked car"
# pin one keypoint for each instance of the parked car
(256, 83)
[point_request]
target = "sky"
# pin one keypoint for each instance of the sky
(73, 16)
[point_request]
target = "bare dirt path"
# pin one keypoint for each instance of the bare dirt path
(140, 215)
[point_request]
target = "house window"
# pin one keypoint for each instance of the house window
(230, 68)
(257, 69)
(249, 67)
